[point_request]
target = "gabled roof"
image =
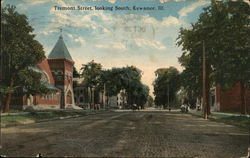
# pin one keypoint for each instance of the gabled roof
(60, 50)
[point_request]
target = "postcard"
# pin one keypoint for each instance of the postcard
(125, 78)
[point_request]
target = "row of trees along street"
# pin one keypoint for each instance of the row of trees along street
(222, 34)
(112, 81)
(19, 52)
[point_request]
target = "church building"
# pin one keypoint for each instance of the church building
(57, 74)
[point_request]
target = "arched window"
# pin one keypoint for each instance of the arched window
(44, 78)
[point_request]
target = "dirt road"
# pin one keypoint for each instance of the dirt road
(143, 134)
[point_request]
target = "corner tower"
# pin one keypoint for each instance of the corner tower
(61, 65)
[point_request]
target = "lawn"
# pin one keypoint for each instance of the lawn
(37, 116)
(241, 121)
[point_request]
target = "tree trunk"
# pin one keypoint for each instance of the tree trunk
(243, 106)
(108, 100)
(103, 99)
(93, 97)
(6, 105)
(90, 97)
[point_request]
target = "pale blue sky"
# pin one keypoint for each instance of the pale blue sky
(145, 39)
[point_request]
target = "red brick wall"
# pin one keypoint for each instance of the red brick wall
(63, 65)
(248, 100)
(230, 100)
(45, 66)
(40, 100)
(69, 67)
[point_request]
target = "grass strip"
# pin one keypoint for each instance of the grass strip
(37, 116)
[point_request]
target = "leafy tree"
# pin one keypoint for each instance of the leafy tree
(91, 73)
(131, 82)
(140, 94)
(166, 85)
(76, 74)
(224, 27)
(125, 78)
(150, 101)
(19, 52)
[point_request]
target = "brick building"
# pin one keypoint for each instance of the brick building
(61, 65)
(57, 74)
(230, 100)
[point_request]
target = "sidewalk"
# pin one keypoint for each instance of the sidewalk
(227, 118)
(195, 112)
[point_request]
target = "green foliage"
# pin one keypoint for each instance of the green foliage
(224, 27)
(31, 82)
(125, 78)
(91, 73)
(76, 74)
(167, 81)
(19, 50)
(150, 101)
(116, 79)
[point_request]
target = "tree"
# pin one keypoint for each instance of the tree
(141, 94)
(131, 82)
(91, 73)
(76, 74)
(150, 101)
(128, 79)
(19, 52)
(166, 85)
(224, 27)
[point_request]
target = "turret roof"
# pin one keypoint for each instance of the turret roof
(60, 50)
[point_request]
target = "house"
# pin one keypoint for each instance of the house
(119, 101)
(57, 74)
(82, 93)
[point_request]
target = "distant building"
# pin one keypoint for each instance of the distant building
(57, 74)
(119, 101)
(86, 100)
(82, 93)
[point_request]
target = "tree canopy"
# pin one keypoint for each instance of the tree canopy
(129, 79)
(224, 27)
(116, 79)
(91, 72)
(166, 85)
(19, 52)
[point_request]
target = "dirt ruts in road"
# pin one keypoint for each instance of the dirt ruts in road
(142, 134)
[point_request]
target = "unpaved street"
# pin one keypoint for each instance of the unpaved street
(144, 134)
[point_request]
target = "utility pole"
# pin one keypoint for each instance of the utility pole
(204, 82)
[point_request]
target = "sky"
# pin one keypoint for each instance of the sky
(143, 38)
